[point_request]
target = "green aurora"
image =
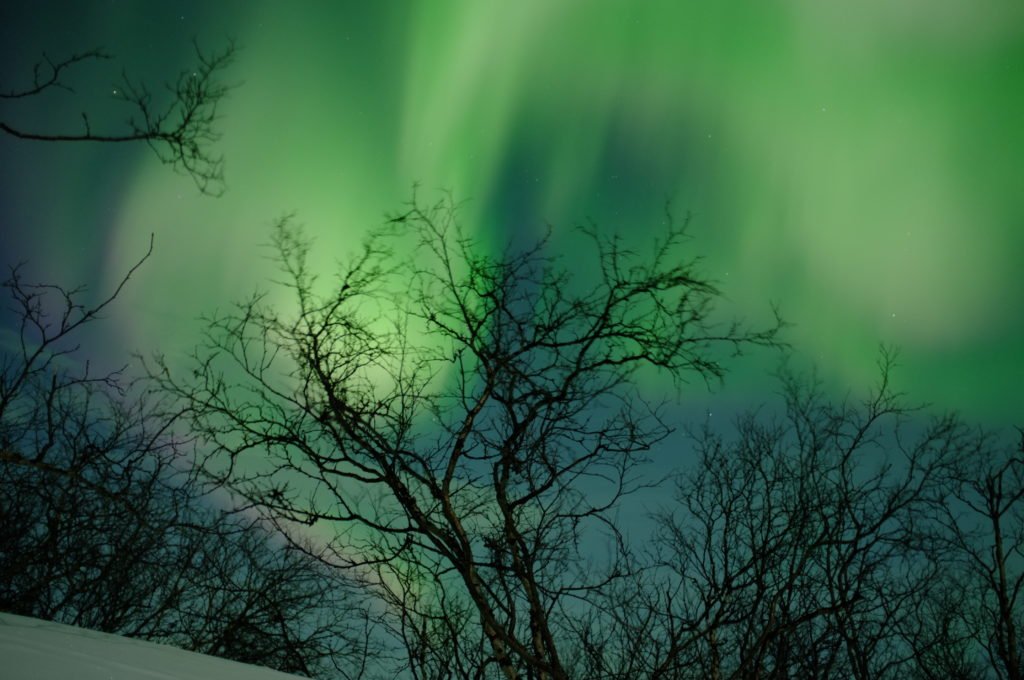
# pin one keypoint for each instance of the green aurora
(856, 163)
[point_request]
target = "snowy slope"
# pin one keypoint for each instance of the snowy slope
(31, 649)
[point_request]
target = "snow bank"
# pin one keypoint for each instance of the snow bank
(31, 649)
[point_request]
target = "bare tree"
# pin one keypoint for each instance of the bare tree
(179, 126)
(805, 546)
(984, 524)
(105, 526)
(248, 596)
(465, 421)
(92, 480)
(55, 416)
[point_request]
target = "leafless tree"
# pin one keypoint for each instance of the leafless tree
(105, 526)
(984, 524)
(806, 546)
(248, 596)
(178, 126)
(466, 421)
(91, 479)
(56, 416)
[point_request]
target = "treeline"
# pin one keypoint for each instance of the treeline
(454, 493)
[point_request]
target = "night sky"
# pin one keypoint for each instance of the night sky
(859, 164)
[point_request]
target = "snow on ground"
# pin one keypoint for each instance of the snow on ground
(31, 649)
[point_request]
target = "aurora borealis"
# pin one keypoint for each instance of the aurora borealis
(858, 164)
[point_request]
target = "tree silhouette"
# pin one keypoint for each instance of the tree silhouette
(465, 421)
(179, 130)
(984, 525)
(801, 547)
(106, 526)
(849, 539)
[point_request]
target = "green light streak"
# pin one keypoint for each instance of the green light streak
(858, 164)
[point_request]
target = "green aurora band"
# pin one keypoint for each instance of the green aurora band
(857, 163)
